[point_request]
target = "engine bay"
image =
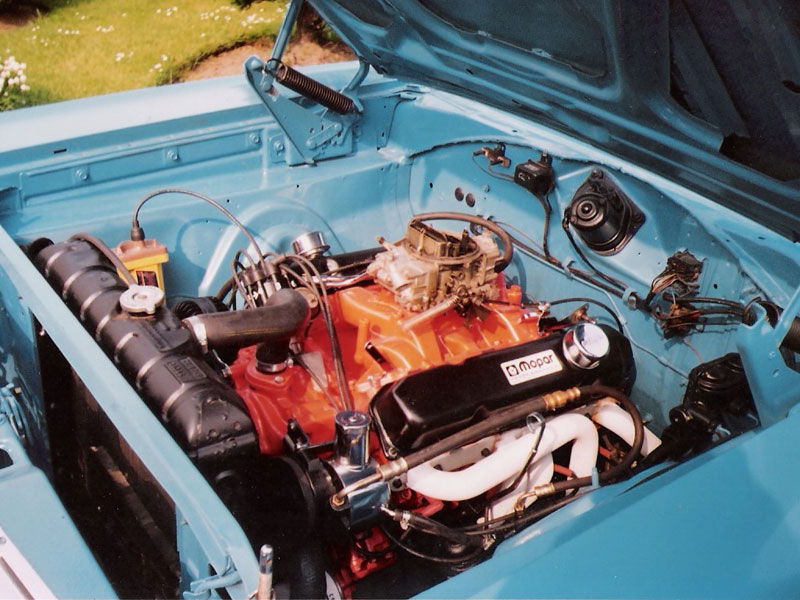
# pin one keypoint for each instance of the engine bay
(389, 368)
(412, 393)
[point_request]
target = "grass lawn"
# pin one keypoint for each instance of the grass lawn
(88, 47)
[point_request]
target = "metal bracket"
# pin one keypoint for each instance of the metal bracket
(11, 407)
(309, 135)
(775, 387)
(311, 132)
(201, 588)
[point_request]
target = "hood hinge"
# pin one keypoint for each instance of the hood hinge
(315, 131)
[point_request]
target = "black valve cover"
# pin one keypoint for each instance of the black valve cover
(425, 407)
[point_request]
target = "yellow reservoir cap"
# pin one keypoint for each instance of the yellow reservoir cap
(144, 259)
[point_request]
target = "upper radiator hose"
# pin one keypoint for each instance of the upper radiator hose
(283, 314)
(155, 352)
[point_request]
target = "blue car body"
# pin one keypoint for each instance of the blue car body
(724, 522)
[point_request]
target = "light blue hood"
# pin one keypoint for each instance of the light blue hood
(656, 82)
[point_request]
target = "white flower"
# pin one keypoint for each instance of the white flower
(119, 56)
(164, 57)
(25, 88)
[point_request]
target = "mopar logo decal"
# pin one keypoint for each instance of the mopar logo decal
(530, 367)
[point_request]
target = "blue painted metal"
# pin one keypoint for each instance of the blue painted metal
(37, 523)
(413, 147)
(626, 109)
(309, 135)
(724, 525)
(406, 134)
(228, 578)
(26, 425)
(285, 32)
(774, 385)
(217, 532)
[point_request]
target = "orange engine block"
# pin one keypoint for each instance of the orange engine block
(376, 350)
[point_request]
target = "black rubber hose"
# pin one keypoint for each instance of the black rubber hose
(548, 211)
(284, 314)
(513, 521)
(445, 560)
(591, 393)
(108, 253)
(508, 246)
(429, 526)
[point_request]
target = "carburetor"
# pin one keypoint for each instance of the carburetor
(433, 269)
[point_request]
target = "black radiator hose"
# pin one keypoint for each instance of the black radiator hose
(155, 352)
(283, 315)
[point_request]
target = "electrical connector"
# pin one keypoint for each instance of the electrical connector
(537, 177)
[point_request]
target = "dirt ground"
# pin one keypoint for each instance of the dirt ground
(15, 15)
(301, 51)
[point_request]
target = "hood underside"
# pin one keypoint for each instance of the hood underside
(703, 93)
